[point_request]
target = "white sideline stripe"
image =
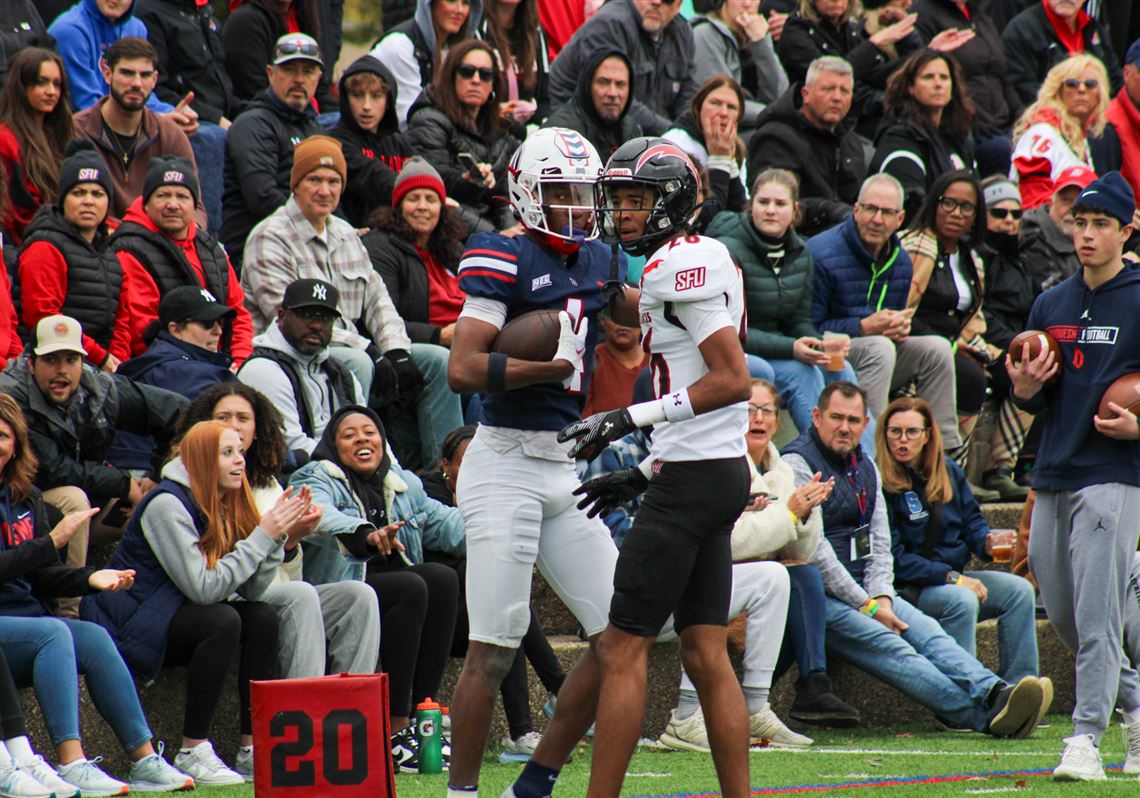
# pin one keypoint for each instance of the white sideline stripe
(896, 752)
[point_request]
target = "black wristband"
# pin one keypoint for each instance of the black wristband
(496, 372)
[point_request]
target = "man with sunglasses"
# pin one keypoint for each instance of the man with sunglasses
(1045, 34)
(659, 44)
(291, 364)
(259, 145)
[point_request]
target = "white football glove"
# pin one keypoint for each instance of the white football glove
(571, 344)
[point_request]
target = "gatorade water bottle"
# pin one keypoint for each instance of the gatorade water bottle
(429, 730)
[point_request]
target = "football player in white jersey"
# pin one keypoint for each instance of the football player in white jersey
(676, 559)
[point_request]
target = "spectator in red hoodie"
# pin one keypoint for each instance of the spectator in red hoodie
(160, 247)
(65, 267)
(35, 126)
(1124, 114)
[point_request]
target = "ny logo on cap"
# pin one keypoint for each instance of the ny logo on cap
(172, 177)
(88, 175)
(206, 295)
(320, 292)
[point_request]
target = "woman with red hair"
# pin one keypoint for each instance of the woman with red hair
(195, 541)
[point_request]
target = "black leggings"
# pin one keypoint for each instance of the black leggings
(970, 381)
(417, 620)
(12, 723)
(207, 638)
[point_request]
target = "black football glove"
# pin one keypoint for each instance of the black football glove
(385, 384)
(595, 433)
(396, 379)
(409, 374)
(609, 491)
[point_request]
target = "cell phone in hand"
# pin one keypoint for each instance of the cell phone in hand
(471, 165)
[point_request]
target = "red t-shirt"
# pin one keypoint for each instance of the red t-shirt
(445, 297)
(611, 385)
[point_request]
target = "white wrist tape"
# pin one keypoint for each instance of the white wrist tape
(671, 407)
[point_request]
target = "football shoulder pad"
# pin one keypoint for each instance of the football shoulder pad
(690, 269)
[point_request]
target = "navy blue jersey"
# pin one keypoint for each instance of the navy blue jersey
(524, 276)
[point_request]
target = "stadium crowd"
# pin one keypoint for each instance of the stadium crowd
(232, 283)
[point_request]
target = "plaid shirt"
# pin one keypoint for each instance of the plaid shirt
(285, 247)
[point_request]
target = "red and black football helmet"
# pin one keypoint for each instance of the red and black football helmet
(648, 162)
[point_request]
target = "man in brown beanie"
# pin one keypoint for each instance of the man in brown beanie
(259, 144)
(302, 239)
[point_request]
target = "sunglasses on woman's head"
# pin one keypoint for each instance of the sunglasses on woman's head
(466, 71)
(1001, 213)
(1073, 83)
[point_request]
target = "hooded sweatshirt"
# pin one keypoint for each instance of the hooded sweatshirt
(1099, 343)
(83, 35)
(578, 113)
(408, 50)
(145, 294)
(373, 159)
(269, 378)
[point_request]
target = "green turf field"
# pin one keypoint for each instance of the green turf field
(861, 760)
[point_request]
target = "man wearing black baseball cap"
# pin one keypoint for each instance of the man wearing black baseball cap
(1083, 534)
(291, 365)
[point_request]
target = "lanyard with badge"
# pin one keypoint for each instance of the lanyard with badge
(861, 538)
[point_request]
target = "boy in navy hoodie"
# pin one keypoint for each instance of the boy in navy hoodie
(1084, 531)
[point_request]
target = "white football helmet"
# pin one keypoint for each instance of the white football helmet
(554, 171)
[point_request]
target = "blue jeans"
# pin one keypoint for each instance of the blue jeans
(923, 662)
(49, 654)
(418, 435)
(1009, 598)
(800, 384)
(806, 630)
(209, 146)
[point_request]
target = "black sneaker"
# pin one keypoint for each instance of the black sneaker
(816, 704)
(1016, 709)
(406, 750)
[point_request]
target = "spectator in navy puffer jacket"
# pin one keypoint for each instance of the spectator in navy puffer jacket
(862, 278)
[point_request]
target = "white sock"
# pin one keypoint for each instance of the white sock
(458, 792)
(1131, 717)
(21, 749)
(6, 760)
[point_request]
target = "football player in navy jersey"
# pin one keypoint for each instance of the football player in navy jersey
(676, 558)
(515, 489)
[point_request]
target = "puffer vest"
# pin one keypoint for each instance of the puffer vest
(841, 513)
(168, 266)
(138, 619)
(94, 275)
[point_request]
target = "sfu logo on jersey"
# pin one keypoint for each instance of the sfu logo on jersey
(689, 278)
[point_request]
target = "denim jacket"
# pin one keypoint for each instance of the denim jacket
(428, 523)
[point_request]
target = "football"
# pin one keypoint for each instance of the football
(1027, 345)
(530, 336)
(1124, 392)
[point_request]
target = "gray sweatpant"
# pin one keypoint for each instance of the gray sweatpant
(343, 613)
(884, 366)
(1081, 546)
(1132, 613)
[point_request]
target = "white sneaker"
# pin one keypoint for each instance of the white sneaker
(766, 729)
(1080, 760)
(45, 774)
(1132, 744)
(204, 766)
(154, 774)
(90, 780)
(15, 782)
(686, 735)
(519, 750)
(243, 763)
